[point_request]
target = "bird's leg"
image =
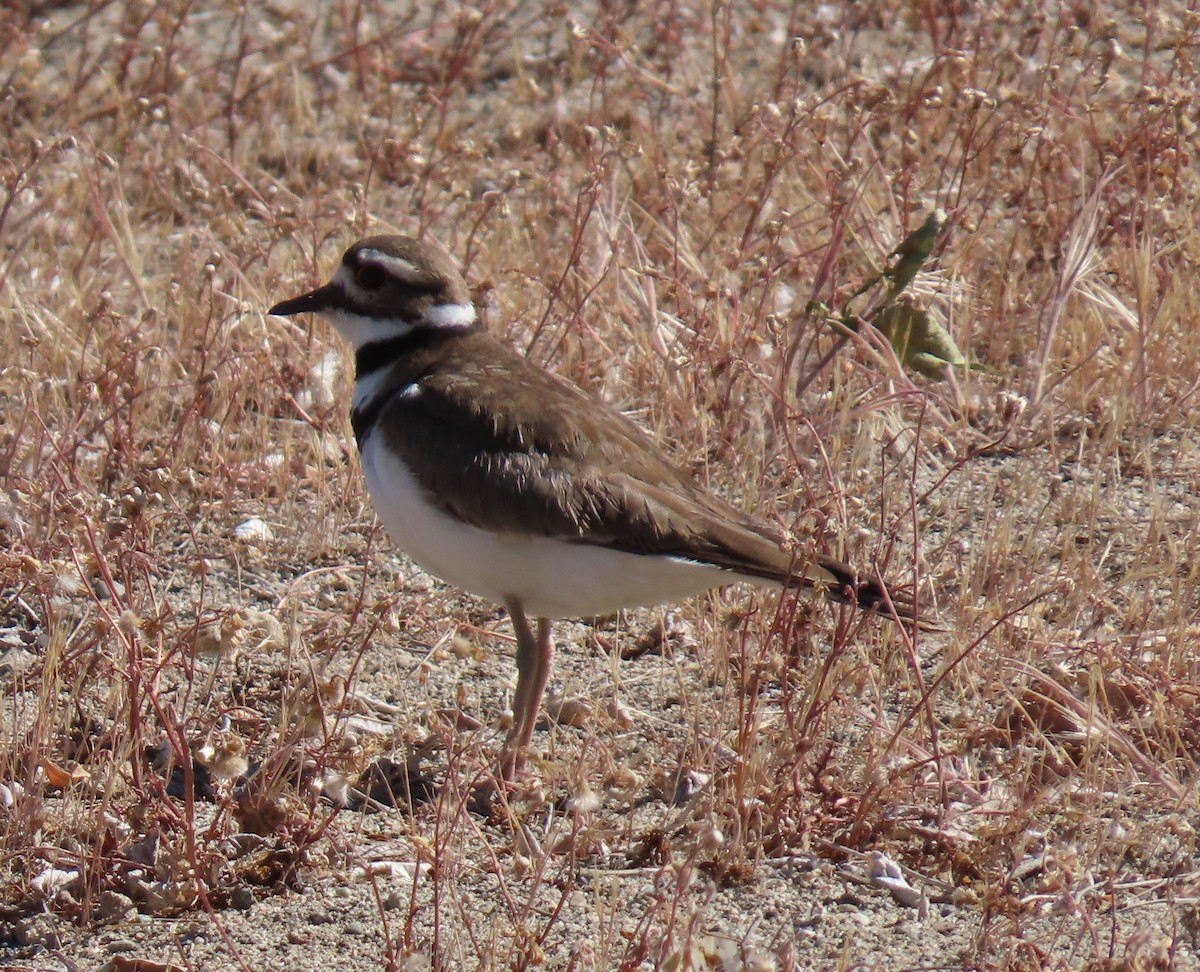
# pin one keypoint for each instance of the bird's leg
(535, 656)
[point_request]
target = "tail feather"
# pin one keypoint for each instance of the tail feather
(844, 586)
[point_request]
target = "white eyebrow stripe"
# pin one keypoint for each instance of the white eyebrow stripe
(398, 267)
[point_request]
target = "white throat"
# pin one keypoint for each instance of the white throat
(361, 330)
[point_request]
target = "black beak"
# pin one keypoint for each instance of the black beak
(313, 302)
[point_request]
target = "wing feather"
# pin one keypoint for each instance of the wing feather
(504, 445)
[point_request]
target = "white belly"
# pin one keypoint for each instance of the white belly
(551, 578)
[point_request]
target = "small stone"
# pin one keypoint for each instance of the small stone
(37, 930)
(113, 906)
(573, 712)
(242, 898)
(254, 530)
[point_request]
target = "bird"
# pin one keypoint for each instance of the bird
(504, 479)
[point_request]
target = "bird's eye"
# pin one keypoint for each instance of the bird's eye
(370, 276)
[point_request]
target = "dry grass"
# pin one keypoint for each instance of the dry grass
(198, 614)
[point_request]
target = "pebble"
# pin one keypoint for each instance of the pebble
(38, 930)
(112, 905)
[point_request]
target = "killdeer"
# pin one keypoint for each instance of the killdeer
(505, 480)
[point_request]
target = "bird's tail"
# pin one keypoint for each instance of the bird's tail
(841, 583)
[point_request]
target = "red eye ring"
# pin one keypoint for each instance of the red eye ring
(370, 276)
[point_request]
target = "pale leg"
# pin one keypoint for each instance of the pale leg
(535, 656)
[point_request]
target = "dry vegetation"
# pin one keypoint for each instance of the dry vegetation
(205, 640)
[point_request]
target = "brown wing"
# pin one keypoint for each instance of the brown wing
(502, 444)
